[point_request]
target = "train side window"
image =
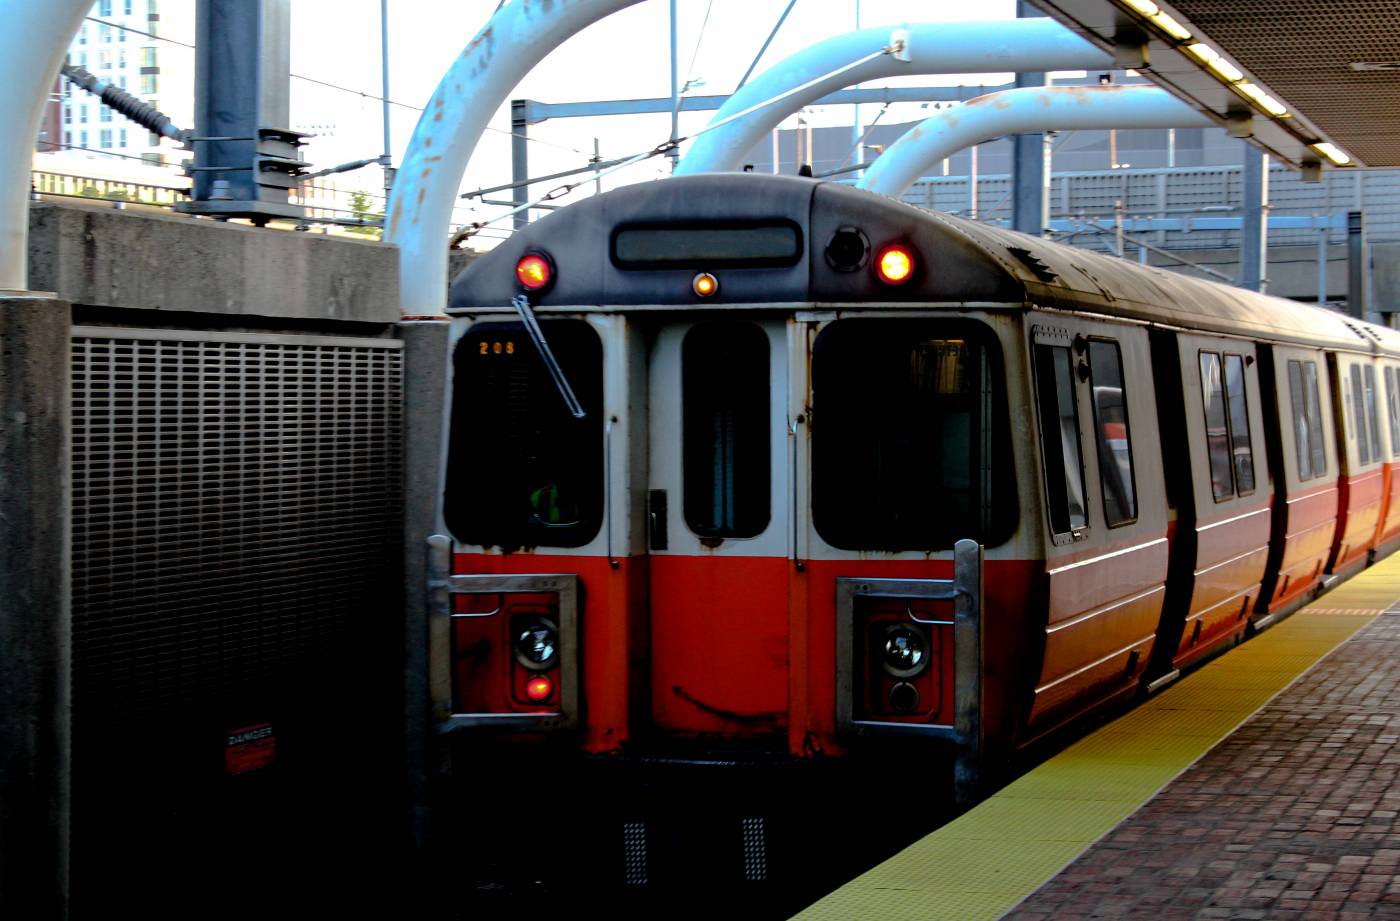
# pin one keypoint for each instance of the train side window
(1314, 409)
(1241, 450)
(1222, 484)
(725, 430)
(1393, 406)
(1358, 412)
(1059, 438)
(521, 470)
(1303, 431)
(1111, 431)
(1372, 420)
(911, 442)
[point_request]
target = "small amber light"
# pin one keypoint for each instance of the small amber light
(896, 265)
(533, 271)
(539, 688)
(705, 284)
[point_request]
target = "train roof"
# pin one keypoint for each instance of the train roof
(963, 263)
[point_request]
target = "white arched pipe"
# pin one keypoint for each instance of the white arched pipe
(1018, 111)
(33, 42)
(419, 213)
(930, 48)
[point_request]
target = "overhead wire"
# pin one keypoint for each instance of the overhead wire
(694, 56)
(345, 89)
(671, 144)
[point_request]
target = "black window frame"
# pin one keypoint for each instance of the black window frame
(486, 498)
(701, 262)
(1302, 423)
(1371, 401)
(758, 432)
(993, 511)
(1222, 357)
(1057, 506)
(1099, 439)
(1244, 364)
(1392, 406)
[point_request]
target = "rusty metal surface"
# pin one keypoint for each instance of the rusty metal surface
(489, 67)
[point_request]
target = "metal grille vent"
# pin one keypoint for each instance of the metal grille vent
(755, 850)
(634, 853)
(235, 509)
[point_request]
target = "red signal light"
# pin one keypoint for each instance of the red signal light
(895, 265)
(534, 271)
(539, 689)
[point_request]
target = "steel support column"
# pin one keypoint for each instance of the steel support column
(1357, 276)
(1254, 236)
(519, 160)
(1028, 179)
(246, 158)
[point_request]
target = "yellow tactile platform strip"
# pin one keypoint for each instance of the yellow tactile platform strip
(983, 863)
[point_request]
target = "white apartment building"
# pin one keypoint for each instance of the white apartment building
(116, 44)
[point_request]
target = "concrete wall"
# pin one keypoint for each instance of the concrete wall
(35, 609)
(147, 261)
(1385, 277)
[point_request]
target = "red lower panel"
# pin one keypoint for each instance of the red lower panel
(719, 628)
(1310, 527)
(1014, 608)
(1390, 509)
(1359, 502)
(614, 634)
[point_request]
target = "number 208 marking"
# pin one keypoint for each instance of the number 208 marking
(496, 348)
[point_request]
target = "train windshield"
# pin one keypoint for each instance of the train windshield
(521, 470)
(910, 442)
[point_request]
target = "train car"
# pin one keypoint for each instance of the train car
(757, 470)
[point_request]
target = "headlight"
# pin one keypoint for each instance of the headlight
(537, 644)
(905, 652)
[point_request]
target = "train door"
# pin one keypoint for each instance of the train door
(717, 542)
(1106, 542)
(1389, 530)
(1305, 496)
(1359, 489)
(1225, 510)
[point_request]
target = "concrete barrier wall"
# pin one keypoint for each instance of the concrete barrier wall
(147, 261)
(35, 595)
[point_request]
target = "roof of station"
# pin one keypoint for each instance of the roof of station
(1299, 73)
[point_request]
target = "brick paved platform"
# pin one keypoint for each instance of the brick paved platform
(1292, 816)
(1259, 786)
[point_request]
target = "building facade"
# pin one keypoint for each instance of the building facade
(141, 46)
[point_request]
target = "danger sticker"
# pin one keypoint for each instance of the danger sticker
(249, 748)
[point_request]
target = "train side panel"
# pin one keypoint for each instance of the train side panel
(1388, 531)
(1361, 484)
(1105, 513)
(1224, 525)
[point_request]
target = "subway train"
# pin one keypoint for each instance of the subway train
(747, 469)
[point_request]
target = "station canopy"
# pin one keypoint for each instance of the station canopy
(1313, 82)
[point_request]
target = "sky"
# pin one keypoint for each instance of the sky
(626, 55)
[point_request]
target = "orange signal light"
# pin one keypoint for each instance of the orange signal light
(539, 689)
(895, 265)
(705, 284)
(534, 272)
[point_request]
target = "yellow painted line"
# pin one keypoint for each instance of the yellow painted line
(983, 863)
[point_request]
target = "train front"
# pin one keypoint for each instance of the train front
(711, 444)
